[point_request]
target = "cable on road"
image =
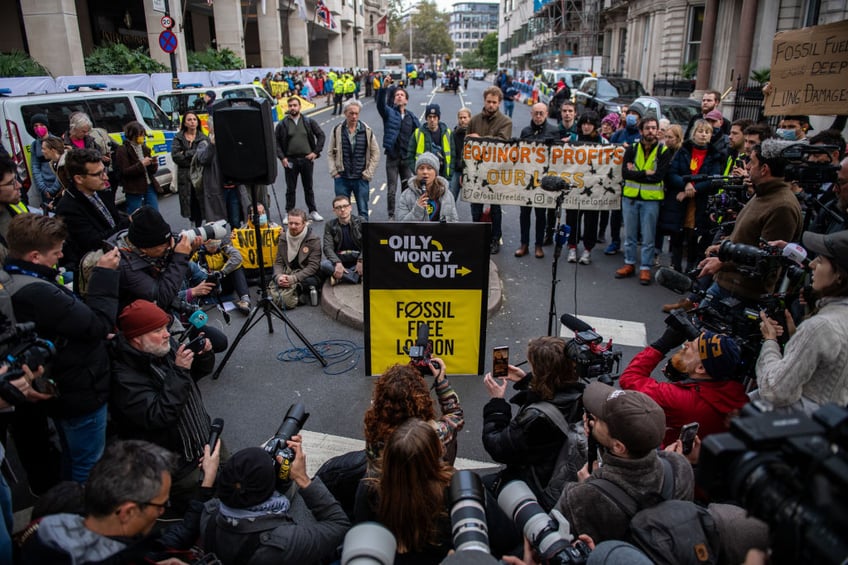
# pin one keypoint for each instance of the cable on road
(342, 355)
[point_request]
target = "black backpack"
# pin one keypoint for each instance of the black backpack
(673, 532)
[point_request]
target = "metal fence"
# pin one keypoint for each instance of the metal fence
(672, 85)
(749, 103)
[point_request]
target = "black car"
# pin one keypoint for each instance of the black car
(607, 94)
(675, 109)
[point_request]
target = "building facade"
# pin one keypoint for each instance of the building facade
(470, 22)
(260, 37)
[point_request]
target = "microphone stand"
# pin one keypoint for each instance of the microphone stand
(561, 234)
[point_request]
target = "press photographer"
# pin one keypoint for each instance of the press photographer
(813, 368)
(705, 386)
(547, 421)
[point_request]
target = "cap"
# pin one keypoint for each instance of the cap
(633, 418)
(427, 159)
(834, 246)
(141, 317)
(247, 478)
(714, 115)
(433, 110)
(720, 354)
(148, 228)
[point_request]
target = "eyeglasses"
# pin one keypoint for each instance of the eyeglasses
(163, 505)
(11, 184)
(341, 206)
(101, 173)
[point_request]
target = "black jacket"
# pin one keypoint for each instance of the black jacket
(530, 439)
(139, 279)
(673, 212)
(87, 227)
(333, 237)
(314, 134)
(544, 132)
(182, 152)
(78, 330)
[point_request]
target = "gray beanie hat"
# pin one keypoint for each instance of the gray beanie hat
(427, 159)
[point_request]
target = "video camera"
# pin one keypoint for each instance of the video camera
(790, 471)
(22, 346)
(293, 421)
(421, 354)
(805, 171)
(593, 358)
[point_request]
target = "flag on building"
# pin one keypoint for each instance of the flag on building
(301, 10)
(382, 24)
(322, 13)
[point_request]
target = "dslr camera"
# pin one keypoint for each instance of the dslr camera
(22, 346)
(421, 354)
(593, 358)
(293, 422)
(212, 230)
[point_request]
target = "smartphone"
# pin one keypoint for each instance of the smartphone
(197, 344)
(106, 246)
(500, 361)
(687, 436)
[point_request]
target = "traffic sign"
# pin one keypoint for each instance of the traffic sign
(168, 41)
(167, 22)
(159, 6)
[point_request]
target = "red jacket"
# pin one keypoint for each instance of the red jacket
(705, 402)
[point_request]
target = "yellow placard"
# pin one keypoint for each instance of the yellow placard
(453, 318)
(244, 239)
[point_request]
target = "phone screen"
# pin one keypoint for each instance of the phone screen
(500, 361)
(687, 436)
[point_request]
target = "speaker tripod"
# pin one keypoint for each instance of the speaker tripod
(265, 307)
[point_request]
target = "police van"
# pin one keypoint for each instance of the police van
(108, 109)
(190, 97)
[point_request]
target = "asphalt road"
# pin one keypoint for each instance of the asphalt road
(255, 388)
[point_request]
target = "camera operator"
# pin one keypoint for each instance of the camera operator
(833, 217)
(629, 426)
(126, 492)
(813, 368)
(251, 523)
(772, 214)
(220, 257)
(154, 395)
(81, 366)
(529, 444)
(156, 268)
(709, 393)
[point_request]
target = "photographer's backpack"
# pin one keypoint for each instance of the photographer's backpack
(673, 532)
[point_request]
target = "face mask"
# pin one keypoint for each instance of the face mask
(263, 219)
(139, 140)
(630, 120)
(787, 134)
(40, 131)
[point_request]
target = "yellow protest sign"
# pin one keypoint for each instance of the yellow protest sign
(244, 239)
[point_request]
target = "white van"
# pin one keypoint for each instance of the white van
(108, 109)
(186, 97)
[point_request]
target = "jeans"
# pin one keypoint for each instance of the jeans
(136, 201)
(455, 179)
(640, 216)
(524, 225)
(83, 440)
(235, 281)
(303, 167)
(328, 268)
(233, 203)
(509, 105)
(477, 213)
(358, 187)
(396, 168)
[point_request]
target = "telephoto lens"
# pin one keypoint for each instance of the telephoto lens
(468, 512)
(368, 543)
(213, 230)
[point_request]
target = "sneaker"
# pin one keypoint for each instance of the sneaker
(333, 281)
(572, 255)
(243, 306)
(495, 248)
(586, 257)
(315, 216)
(625, 271)
(611, 249)
(313, 296)
(285, 219)
(644, 277)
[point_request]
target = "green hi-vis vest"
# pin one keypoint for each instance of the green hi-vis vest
(421, 142)
(645, 190)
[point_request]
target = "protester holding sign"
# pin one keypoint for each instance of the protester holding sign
(427, 198)
(587, 126)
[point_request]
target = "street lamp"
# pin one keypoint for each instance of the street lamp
(508, 41)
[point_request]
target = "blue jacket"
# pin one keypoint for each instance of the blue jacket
(626, 135)
(391, 123)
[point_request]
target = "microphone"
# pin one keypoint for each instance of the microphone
(560, 239)
(553, 183)
(198, 319)
(672, 280)
(699, 178)
(796, 253)
(574, 323)
(215, 433)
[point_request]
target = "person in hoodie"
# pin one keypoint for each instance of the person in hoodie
(705, 388)
(427, 197)
(629, 134)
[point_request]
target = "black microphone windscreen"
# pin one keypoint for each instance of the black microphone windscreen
(672, 280)
(553, 183)
(574, 323)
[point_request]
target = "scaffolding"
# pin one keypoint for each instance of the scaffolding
(563, 29)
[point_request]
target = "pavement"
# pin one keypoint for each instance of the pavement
(344, 302)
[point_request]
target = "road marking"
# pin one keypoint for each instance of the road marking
(320, 447)
(622, 332)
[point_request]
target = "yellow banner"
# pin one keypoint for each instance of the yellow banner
(244, 239)
(453, 317)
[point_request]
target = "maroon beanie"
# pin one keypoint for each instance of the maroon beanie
(141, 317)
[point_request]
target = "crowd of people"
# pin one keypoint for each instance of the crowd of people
(128, 352)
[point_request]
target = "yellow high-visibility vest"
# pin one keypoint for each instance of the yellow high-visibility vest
(421, 140)
(645, 190)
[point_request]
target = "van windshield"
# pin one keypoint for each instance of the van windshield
(152, 115)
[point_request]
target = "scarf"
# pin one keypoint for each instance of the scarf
(294, 244)
(274, 506)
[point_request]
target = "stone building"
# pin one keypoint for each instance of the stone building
(470, 22)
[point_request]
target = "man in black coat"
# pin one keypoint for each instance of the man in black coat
(89, 218)
(79, 330)
(300, 141)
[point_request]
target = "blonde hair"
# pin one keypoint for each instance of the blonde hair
(464, 111)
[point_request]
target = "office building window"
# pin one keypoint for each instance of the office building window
(693, 40)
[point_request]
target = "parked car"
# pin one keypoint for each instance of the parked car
(571, 78)
(676, 110)
(607, 94)
(479, 75)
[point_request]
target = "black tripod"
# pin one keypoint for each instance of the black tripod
(560, 238)
(265, 307)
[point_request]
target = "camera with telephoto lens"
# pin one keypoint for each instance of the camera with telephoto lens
(468, 512)
(213, 230)
(593, 358)
(21, 347)
(294, 420)
(789, 470)
(421, 354)
(548, 534)
(368, 543)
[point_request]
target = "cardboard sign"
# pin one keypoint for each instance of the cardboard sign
(426, 272)
(511, 172)
(809, 71)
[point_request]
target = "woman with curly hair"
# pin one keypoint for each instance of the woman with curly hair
(401, 393)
